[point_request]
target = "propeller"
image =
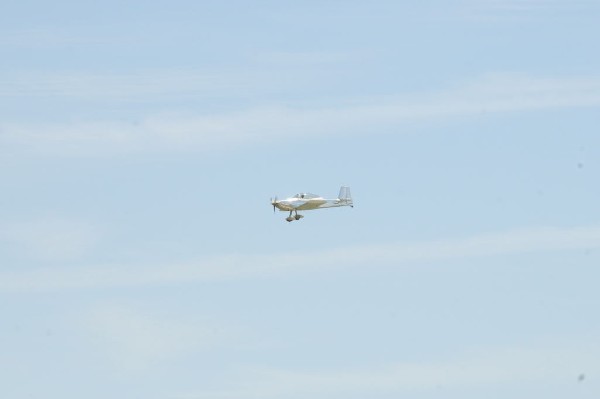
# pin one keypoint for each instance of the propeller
(273, 202)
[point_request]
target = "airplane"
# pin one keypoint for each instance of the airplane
(308, 201)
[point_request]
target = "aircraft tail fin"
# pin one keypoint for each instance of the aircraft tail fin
(345, 197)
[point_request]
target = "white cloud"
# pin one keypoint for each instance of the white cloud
(490, 369)
(227, 267)
(493, 94)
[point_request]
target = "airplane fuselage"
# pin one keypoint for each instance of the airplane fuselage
(293, 204)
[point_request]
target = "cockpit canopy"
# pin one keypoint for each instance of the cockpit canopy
(306, 196)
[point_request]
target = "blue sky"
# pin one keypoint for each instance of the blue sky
(140, 144)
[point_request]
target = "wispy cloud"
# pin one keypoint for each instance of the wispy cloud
(137, 339)
(527, 8)
(483, 369)
(530, 4)
(49, 238)
(138, 86)
(228, 267)
(148, 85)
(48, 38)
(493, 94)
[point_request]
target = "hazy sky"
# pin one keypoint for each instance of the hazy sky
(140, 143)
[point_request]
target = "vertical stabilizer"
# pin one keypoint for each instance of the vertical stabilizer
(345, 197)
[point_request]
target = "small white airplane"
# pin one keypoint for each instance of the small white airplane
(308, 201)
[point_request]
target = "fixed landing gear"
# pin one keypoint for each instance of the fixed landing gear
(295, 217)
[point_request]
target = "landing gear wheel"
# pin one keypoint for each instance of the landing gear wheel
(298, 217)
(289, 218)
